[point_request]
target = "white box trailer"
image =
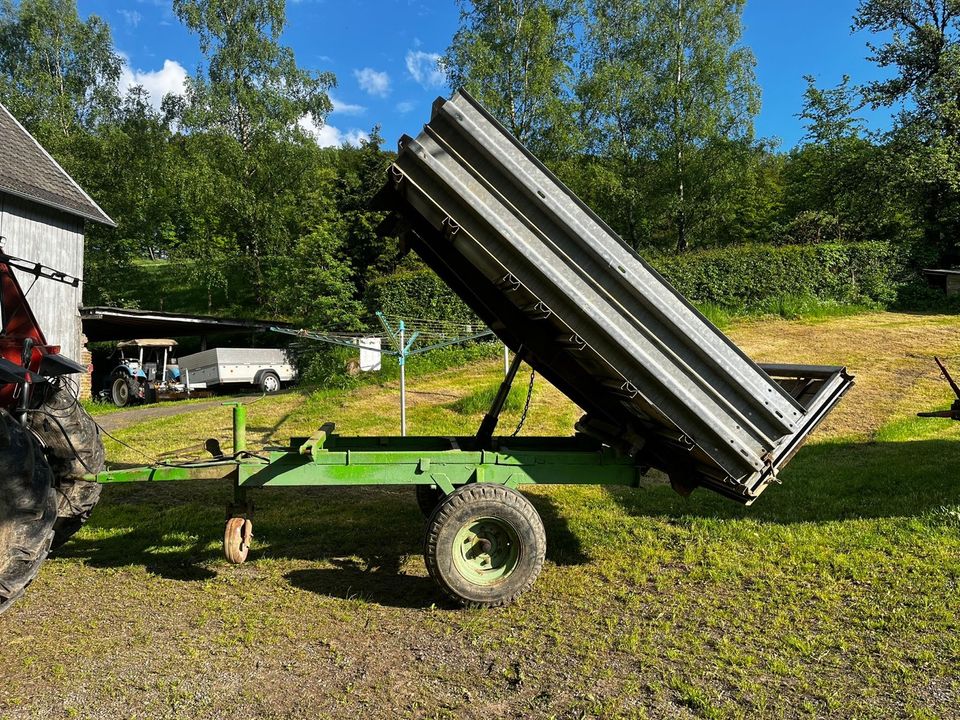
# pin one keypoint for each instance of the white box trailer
(266, 368)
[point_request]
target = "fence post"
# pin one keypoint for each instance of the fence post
(403, 384)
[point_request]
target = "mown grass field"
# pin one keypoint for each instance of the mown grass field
(835, 595)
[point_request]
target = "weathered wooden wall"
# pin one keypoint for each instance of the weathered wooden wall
(42, 234)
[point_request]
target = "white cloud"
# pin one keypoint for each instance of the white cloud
(373, 82)
(132, 17)
(171, 78)
(344, 108)
(330, 136)
(404, 107)
(425, 68)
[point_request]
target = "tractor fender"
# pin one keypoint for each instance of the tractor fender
(115, 373)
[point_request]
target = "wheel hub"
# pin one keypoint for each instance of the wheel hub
(486, 550)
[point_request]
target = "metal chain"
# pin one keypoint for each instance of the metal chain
(526, 405)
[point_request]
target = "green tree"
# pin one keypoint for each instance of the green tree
(830, 115)
(841, 184)
(515, 57)
(668, 81)
(128, 166)
(58, 73)
(314, 282)
(361, 172)
(242, 112)
(921, 54)
(252, 86)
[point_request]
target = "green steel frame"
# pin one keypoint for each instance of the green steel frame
(328, 459)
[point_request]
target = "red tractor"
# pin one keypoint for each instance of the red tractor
(48, 442)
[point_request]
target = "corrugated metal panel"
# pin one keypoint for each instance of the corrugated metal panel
(38, 233)
(533, 261)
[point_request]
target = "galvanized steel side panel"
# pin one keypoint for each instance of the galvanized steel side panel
(536, 264)
(42, 234)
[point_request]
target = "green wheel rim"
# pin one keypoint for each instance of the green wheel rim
(486, 550)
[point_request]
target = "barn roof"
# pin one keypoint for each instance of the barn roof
(28, 171)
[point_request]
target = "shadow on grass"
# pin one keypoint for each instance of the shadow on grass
(384, 584)
(173, 530)
(830, 482)
(366, 534)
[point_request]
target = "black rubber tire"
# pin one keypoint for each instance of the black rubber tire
(270, 383)
(74, 448)
(123, 390)
(28, 509)
(472, 502)
(428, 497)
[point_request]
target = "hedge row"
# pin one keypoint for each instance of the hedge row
(745, 276)
(749, 276)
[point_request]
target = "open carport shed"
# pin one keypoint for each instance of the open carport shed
(108, 323)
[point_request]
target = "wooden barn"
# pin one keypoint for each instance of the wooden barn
(42, 217)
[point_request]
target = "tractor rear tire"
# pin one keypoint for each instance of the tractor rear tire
(73, 447)
(28, 509)
(123, 390)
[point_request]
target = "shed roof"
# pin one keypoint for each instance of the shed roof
(28, 171)
(109, 323)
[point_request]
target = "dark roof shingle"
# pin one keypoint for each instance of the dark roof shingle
(28, 171)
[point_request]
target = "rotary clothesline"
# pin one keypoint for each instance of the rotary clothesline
(445, 333)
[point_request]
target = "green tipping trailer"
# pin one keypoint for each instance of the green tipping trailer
(661, 387)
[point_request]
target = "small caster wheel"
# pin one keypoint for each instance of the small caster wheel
(236, 539)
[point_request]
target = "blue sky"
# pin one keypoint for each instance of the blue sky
(383, 54)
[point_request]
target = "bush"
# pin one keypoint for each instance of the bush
(325, 366)
(417, 293)
(916, 295)
(752, 276)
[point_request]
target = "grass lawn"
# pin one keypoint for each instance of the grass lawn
(835, 595)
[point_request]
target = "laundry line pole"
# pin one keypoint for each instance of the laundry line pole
(403, 384)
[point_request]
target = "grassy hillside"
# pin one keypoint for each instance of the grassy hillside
(834, 596)
(173, 287)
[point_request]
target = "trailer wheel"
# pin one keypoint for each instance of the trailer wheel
(28, 509)
(269, 382)
(428, 497)
(485, 545)
(73, 447)
(236, 539)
